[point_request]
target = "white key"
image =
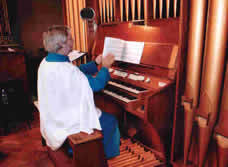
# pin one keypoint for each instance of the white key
(124, 87)
(117, 96)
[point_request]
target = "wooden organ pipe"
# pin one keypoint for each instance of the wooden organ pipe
(215, 49)
(175, 8)
(111, 10)
(194, 61)
(127, 9)
(139, 9)
(121, 10)
(160, 8)
(154, 8)
(107, 9)
(101, 10)
(167, 8)
(133, 9)
(221, 129)
(104, 11)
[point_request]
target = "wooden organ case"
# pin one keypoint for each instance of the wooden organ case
(144, 97)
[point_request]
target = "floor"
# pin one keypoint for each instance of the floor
(22, 147)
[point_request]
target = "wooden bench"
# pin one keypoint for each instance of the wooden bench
(87, 149)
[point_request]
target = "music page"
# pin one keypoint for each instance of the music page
(114, 46)
(75, 54)
(127, 51)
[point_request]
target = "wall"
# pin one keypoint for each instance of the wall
(35, 16)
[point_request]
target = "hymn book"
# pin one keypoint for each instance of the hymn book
(126, 51)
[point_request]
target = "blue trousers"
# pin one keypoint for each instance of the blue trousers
(111, 133)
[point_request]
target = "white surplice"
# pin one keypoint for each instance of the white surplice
(66, 102)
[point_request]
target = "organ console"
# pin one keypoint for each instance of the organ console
(141, 95)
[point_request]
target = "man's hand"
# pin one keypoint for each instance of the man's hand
(98, 59)
(108, 60)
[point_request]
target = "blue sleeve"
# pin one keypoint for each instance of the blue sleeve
(99, 82)
(89, 68)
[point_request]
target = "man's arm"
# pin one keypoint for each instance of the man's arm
(98, 82)
(89, 68)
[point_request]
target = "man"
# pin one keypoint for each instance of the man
(65, 94)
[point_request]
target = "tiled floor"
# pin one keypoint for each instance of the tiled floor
(22, 147)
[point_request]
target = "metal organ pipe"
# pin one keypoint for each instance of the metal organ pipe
(221, 130)
(114, 10)
(107, 9)
(215, 48)
(139, 9)
(167, 8)
(104, 11)
(127, 9)
(160, 8)
(175, 8)
(121, 10)
(101, 11)
(111, 10)
(154, 9)
(133, 9)
(194, 59)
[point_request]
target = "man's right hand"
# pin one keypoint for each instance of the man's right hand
(108, 60)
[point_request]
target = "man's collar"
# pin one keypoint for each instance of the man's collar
(55, 57)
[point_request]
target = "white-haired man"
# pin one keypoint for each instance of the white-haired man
(65, 94)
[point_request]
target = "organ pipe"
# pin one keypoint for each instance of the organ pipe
(222, 150)
(133, 9)
(107, 9)
(154, 9)
(111, 10)
(114, 9)
(101, 10)
(167, 8)
(213, 69)
(127, 9)
(221, 130)
(121, 10)
(160, 8)
(175, 8)
(194, 59)
(104, 11)
(139, 9)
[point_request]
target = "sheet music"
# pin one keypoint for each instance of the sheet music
(127, 51)
(75, 54)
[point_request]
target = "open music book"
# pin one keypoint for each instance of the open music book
(75, 54)
(127, 51)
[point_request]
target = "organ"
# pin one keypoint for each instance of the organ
(142, 95)
(173, 101)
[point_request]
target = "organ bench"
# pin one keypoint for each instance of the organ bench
(87, 149)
